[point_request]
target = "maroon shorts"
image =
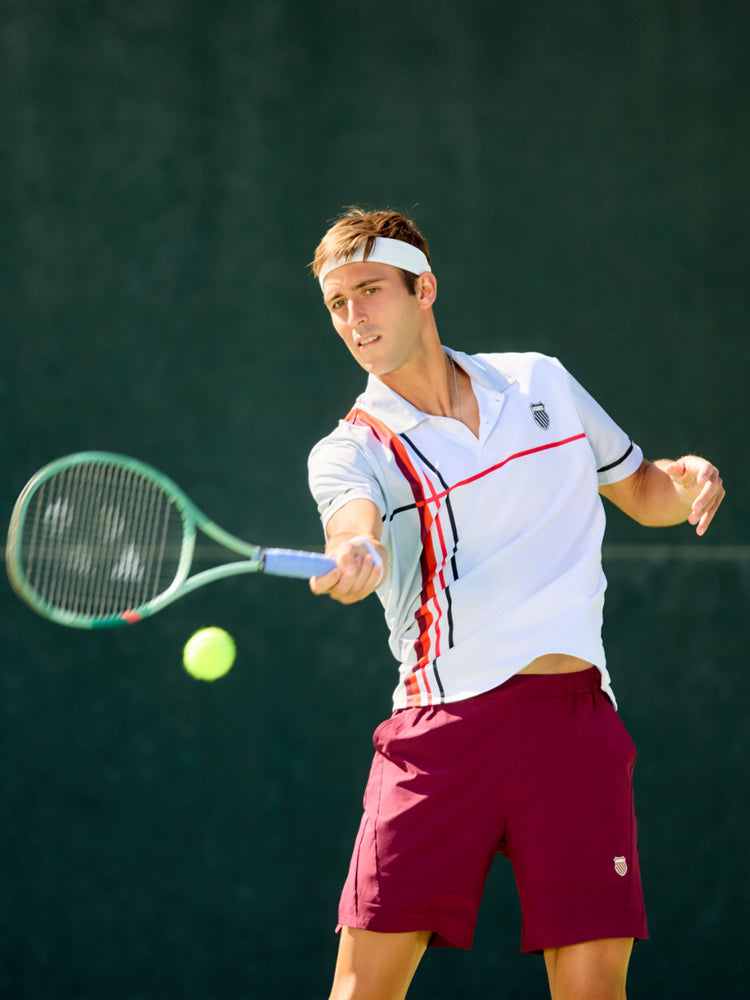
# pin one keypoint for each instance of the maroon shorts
(540, 770)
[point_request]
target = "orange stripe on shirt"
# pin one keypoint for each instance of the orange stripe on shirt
(428, 559)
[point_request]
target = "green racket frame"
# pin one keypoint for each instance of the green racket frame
(282, 562)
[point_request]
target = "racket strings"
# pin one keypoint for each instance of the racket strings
(100, 540)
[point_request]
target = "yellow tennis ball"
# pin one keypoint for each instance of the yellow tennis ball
(209, 653)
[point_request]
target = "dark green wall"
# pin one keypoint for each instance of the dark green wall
(581, 172)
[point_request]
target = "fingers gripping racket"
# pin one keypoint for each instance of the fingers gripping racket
(98, 539)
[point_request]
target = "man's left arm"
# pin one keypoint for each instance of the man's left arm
(669, 492)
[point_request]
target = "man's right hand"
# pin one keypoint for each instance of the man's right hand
(361, 566)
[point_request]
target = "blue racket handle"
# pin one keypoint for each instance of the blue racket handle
(290, 562)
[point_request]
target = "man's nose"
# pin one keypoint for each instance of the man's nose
(357, 312)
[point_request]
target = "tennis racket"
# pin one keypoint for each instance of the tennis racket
(98, 539)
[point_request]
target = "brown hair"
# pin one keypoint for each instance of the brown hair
(358, 227)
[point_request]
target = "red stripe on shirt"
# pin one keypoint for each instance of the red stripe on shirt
(499, 465)
(428, 560)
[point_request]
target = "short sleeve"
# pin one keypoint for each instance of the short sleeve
(617, 457)
(338, 472)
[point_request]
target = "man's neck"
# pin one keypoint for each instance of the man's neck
(426, 382)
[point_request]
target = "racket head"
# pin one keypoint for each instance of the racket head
(98, 539)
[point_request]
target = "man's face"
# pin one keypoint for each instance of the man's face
(375, 315)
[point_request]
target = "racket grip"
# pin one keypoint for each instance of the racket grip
(291, 562)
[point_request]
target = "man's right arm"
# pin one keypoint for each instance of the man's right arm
(357, 573)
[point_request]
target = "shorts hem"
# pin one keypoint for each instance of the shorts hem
(624, 925)
(447, 931)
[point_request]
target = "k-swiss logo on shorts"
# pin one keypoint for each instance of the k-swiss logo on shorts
(540, 415)
(621, 866)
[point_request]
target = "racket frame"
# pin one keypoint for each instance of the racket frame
(193, 520)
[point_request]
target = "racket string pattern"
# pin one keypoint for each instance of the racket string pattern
(99, 539)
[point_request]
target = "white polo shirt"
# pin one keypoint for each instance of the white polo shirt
(494, 542)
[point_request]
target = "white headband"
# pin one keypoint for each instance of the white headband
(384, 251)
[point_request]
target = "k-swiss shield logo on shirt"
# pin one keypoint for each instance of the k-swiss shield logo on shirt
(621, 866)
(540, 415)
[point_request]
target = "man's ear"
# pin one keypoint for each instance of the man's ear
(426, 289)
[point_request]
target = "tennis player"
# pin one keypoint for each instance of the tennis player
(465, 490)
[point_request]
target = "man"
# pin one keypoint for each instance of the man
(466, 491)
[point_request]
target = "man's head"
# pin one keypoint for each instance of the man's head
(379, 289)
(373, 235)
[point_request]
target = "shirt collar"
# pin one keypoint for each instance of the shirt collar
(401, 416)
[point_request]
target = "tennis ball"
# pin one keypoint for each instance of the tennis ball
(209, 653)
